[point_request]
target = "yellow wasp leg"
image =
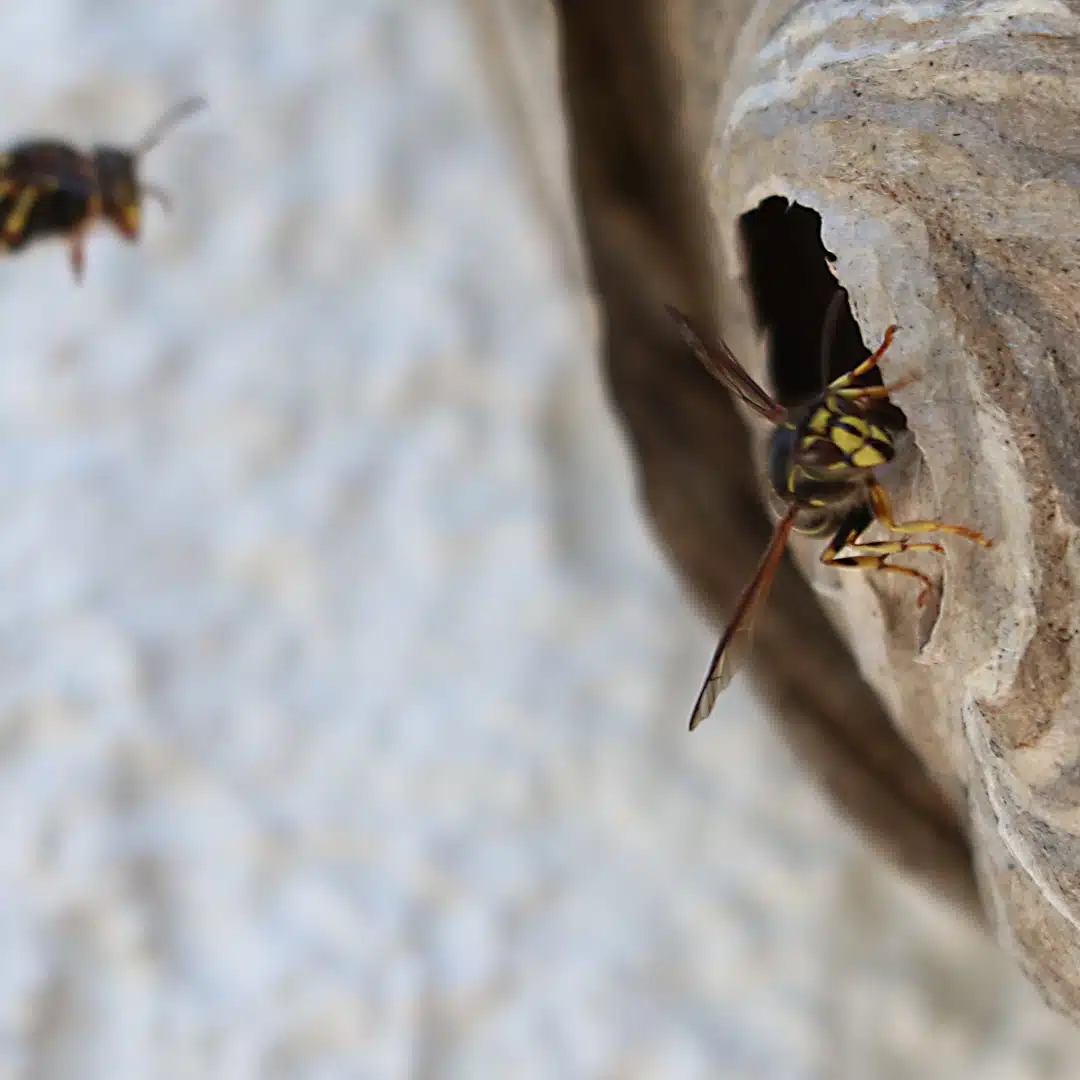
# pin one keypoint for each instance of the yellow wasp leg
(875, 391)
(870, 362)
(16, 220)
(874, 555)
(883, 512)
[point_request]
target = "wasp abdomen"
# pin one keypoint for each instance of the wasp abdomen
(46, 190)
(48, 214)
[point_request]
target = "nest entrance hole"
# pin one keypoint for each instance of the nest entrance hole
(791, 285)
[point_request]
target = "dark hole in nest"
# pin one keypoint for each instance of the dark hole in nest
(792, 287)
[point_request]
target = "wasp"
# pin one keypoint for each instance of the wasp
(50, 188)
(821, 463)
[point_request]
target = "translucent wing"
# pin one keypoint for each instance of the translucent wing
(734, 645)
(46, 164)
(720, 362)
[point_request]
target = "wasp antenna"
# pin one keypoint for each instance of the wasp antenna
(180, 111)
(828, 333)
(162, 197)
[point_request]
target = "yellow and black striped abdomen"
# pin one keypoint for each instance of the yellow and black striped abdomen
(46, 190)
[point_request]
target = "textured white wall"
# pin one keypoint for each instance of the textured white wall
(342, 691)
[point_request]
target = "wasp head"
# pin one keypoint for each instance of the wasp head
(117, 172)
(121, 195)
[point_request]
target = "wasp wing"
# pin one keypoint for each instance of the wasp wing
(47, 164)
(719, 361)
(734, 645)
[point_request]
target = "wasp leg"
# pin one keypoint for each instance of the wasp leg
(77, 254)
(873, 555)
(16, 220)
(163, 198)
(879, 501)
(870, 362)
(876, 391)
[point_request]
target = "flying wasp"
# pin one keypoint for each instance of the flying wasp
(50, 188)
(821, 464)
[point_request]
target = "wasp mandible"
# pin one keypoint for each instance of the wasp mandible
(821, 464)
(50, 188)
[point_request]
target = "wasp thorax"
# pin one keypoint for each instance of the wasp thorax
(118, 184)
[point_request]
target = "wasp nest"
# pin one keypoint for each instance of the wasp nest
(938, 143)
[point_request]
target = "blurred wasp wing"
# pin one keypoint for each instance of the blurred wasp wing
(719, 361)
(45, 164)
(734, 645)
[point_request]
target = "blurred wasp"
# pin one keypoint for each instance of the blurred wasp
(50, 188)
(821, 465)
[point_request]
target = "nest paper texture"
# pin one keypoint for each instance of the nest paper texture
(932, 143)
(342, 692)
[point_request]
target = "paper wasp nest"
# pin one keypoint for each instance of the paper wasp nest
(948, 186)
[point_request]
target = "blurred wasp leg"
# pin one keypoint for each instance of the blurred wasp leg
(870, 362)
(77, 253)
(873, 555)
(883, 512)
(163, 199)
(16, 220)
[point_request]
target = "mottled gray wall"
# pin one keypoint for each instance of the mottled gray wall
(342, 691)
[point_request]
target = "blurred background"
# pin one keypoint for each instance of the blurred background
(343, 691)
